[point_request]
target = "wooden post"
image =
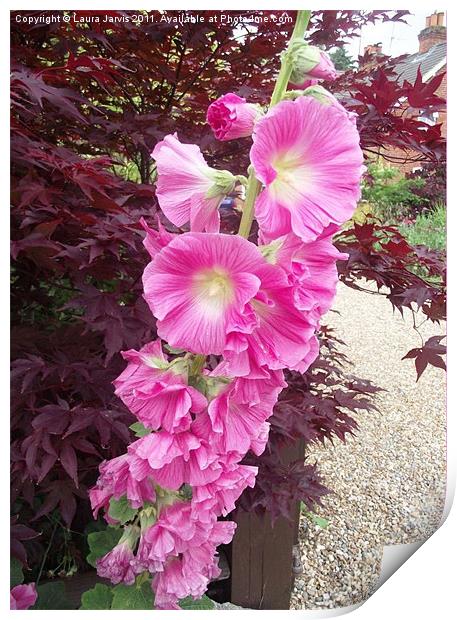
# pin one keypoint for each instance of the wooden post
(262, 555)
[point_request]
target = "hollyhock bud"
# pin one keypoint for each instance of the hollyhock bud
(117, 564)
(308, 62)
(23, 596)
(231, 117)
(188, 190)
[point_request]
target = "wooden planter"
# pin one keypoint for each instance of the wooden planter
(262, 559)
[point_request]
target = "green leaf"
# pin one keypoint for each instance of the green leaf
(99, 597)
(16, 574)
(202, 603)
(137, 596)
(52, 596)
(139, 429)
(102, 542)
(319, 521)
(119, 510)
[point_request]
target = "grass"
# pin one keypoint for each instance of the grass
(429, 229)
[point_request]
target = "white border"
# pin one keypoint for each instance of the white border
(425, 585)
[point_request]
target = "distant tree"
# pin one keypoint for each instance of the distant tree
(342, 60)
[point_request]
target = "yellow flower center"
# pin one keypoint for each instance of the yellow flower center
(293, 177)
(213, 289)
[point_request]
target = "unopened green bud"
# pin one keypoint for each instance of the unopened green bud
(303, 59)
(308, 62)
(318, 92)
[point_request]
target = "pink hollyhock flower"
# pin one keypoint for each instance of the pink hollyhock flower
(283, 337)
(237, 414)
(23, 596)
(117, 564)
(230, 117)
(308, 156)
(177, 581)
(310, 268)
(156, 391)
(169, 585)
(198, 286)
(188, 190)
(115, 481)
(173, 459)
(219, 497)
(259, 444)
(189, 574)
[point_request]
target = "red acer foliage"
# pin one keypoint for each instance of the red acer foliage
(89, 102)
(431, 352)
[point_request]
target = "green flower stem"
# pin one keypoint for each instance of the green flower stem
(253, 185)
(252, 192)
(280, 88)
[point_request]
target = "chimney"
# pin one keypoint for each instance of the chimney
(433, 33)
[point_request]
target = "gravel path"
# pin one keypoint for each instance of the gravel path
(388, 481)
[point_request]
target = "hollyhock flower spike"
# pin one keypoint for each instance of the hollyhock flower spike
(258, 307)
(308, 157)
(23, 596)
(231, 117)
(198, 286)
(188, 190)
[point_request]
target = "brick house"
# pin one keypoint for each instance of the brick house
(431, 58)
